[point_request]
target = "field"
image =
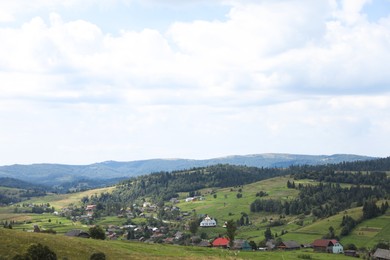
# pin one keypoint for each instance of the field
(226, 206)
(223, 205)
(26, 221)
(13, 242)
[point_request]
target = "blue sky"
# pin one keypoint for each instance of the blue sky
(89, 81)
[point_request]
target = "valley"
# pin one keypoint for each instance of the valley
(135, 219)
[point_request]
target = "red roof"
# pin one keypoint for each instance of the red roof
(221, 241)
(324, 242)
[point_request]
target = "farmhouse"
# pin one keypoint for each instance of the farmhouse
(208, 222)
(328, 246)
(382, 254)
(289, 245)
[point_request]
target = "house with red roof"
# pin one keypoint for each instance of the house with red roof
(221, 242)
(328, 246)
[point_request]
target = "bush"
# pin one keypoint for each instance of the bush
(37, 252)
(97, 233)
(98, 256)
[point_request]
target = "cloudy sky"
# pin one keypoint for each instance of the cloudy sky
(84, 81)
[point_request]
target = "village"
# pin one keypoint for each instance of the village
(164, 232)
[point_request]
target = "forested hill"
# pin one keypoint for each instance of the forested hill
(15, 183)
(381, 164)
(165, 185)
(59, 174)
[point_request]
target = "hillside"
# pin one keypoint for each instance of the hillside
(15, 242)
(63, 175)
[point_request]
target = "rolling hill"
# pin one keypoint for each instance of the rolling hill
(60, 174)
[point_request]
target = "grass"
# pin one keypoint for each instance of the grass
(59, 201)
(370, 232)
(227, 206)
(14, 242)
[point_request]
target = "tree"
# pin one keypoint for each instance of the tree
(268, 234)
(194, 224)
(97, 232)
(231, 231)
(253, 245)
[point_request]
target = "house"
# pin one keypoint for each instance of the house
(77, 233)
(204, 243)
(352, 253)
(241, 244)
(221, 242)
(178, 235)
(90, 207)
(382, 254)
(328, 246)
(208, 222)
(189, 199)
(289, 245)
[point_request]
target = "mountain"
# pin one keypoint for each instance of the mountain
(60, 174)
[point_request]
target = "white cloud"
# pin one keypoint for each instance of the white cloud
(272, 76)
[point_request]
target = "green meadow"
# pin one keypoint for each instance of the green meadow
(14, 242)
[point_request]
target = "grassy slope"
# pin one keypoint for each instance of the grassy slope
(13, 242)
(226, 206)
(367, 234)
(57, 201)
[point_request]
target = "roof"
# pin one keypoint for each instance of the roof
(76, 233)
(289, 244)
(324, 242)
(241, 244)
(204, 243)
(382, 253)
(221, 241)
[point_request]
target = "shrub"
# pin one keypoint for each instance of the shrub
(37, 252)
(98, 256)
(97, 233)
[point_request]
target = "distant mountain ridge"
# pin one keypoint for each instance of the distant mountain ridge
(56, 174)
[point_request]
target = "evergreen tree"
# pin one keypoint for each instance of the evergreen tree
(231, 231)
(268, 234)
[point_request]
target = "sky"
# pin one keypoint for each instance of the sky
(84, 81)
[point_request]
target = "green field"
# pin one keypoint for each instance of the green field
(13, 242)
(223, 207)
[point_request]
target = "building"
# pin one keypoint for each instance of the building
(221, 242)
(328, 246)
(289, 245)
(382, 254)
(77, 233)
(208, 222)
(241, 244)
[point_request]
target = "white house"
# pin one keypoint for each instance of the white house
(208, 222)
(337, 248)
